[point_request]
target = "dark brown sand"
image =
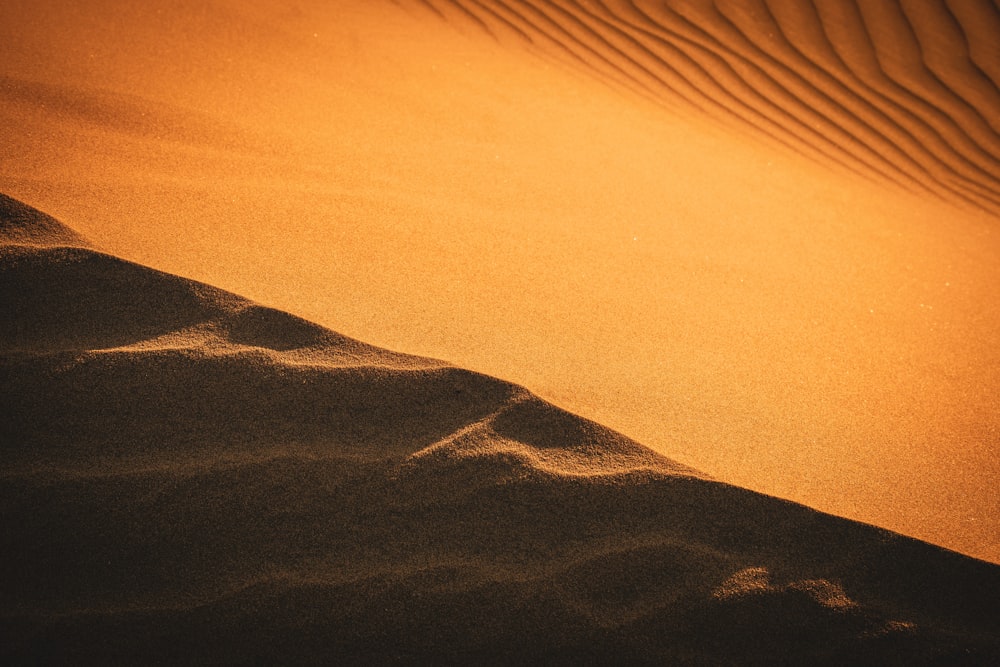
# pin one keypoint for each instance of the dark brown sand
(193, 478)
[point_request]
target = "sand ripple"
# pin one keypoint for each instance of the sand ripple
(904, 91)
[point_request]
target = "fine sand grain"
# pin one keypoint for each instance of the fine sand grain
(904, 91)
(192, 478)
(758, 236)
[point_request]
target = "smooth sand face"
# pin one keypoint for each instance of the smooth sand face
(779, 325)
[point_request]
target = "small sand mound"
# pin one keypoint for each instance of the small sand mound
(21, 224)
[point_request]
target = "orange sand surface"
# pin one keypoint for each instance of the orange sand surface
(782, 273)
(192, 478)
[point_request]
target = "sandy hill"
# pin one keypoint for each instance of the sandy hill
(768, 249)
(190, 477)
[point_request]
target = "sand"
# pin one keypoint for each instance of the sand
(190, 477)
(712, 268)
(758, 237)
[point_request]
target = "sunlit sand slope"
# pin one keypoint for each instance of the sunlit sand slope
(191, 477)
(902, 91)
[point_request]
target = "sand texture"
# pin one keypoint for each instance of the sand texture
(190, 478)
(759, 237)
(904, 91)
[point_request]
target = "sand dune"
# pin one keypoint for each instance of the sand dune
(812, 333)
(22, 225)
(901, 92)
(768, 249)
(190, 476)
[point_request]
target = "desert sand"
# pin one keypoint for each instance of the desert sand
(190, 477)
(710, 268)
(758, 237)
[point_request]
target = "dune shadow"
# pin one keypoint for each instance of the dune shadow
(76, 299)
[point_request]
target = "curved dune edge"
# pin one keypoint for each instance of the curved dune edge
(903, 92)
(189, 475)
(20, 224)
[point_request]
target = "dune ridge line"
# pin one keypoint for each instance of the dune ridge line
(192, 476)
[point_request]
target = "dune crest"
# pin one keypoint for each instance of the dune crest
(22, 225)
(189, 476)
(79, 312)
(904, 92)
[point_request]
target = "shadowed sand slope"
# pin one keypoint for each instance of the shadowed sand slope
(904, 91)
(190, 476)
(20, 224)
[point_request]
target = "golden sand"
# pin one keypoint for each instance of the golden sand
(780, 325)
(771, 257)
(190, 477)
